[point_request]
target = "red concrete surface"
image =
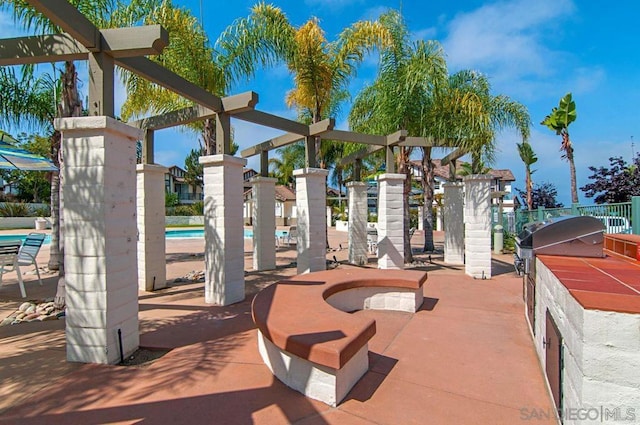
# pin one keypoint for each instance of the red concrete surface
(466, 357)
(611, 283)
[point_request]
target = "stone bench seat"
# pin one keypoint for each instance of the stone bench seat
(306, 335)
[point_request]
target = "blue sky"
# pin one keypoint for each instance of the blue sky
(534, 52)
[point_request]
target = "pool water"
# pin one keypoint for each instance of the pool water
(199, 233)
(4, 238)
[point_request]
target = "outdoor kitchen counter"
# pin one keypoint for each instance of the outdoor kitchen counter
(609, 284)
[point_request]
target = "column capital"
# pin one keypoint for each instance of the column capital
(96, 123)
(151, 168)
(477, 177)
(391, 176)
(222, 159)
(356, 184)
(310, 172)
(452, 185)
(262, 180)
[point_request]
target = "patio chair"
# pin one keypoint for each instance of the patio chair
(29, 251)
(25, 255)
(9, 258)
(372, 240)
(292, 235)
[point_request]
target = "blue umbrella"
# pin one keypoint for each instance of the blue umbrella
(14, 158)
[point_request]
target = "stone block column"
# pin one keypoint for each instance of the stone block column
(477, 225)
(100, 237)
(453, 223)
(357, 222)
(438, 218)
(311, 203)
(223, 229)
(390, 221)
(152, 266)
(420, 217)
(264, 223)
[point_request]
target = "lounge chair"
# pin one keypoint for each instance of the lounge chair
(24, 255)
(9, 258)
(292, 235)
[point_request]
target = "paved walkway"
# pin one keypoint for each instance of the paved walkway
(465, 358)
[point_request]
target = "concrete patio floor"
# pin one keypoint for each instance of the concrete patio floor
(465, 358)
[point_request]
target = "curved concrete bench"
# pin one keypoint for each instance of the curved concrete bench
(307, 338)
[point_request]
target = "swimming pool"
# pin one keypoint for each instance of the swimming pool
(3, 238)
(199, 233)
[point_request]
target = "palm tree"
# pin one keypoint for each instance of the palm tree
(399, 98)
(69, 105)
(291, 158)
(321, 69)
(558, 120)
(528, 156)
(188, 55)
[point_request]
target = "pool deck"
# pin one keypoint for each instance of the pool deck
(466, 357)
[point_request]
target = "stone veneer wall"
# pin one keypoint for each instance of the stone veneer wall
(311, 202)
(601, 349)
(264, 223)
(100, 238)
(357, 222)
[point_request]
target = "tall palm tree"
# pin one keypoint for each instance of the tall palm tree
(559, 120)
(188, 55)
(399, 98)
(69, 105)
(321, 69)
(528, 156)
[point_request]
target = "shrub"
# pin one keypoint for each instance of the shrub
(198, 208)
(44, 211)
(14, 209)
(171, 199)
(180, 210)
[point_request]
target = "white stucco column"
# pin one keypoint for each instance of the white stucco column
(453, 223)
(390, 221)
(264, 223)
(100, 237)
(420, 217)
(477, 225)
(328, 216)
(223, 229)
(152, 266)
(438, 218)
(357, 192)
(311, 202)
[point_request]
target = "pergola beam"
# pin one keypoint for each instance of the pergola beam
(118, 43)
(273, 121)
(453, 156)
(70, 20)
(156, 73)
(349, 136)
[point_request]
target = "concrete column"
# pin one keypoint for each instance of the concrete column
(453, 223)
(99, 189)
(311, 202)
(438, 218)
(420, 217)
(328, 216)
(477, 225)
(357, 192)
(152, 266)
(390, 221)
(223, 229)
(264, 223)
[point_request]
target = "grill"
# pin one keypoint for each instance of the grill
(574, 236)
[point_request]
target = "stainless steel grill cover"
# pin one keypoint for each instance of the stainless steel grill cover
(574, 236)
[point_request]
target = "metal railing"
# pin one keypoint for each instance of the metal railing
(617, 218)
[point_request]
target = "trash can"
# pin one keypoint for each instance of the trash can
(41, 224)
(498, 239)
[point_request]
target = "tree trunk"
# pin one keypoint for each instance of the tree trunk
(209, 137)
(405, 168)
(55, 258)
(70, 106)
(572, 167)
(529, 184)
(427, 192)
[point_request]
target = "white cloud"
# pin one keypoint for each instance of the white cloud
(425, 34)
(332, 4)
(507, 40)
